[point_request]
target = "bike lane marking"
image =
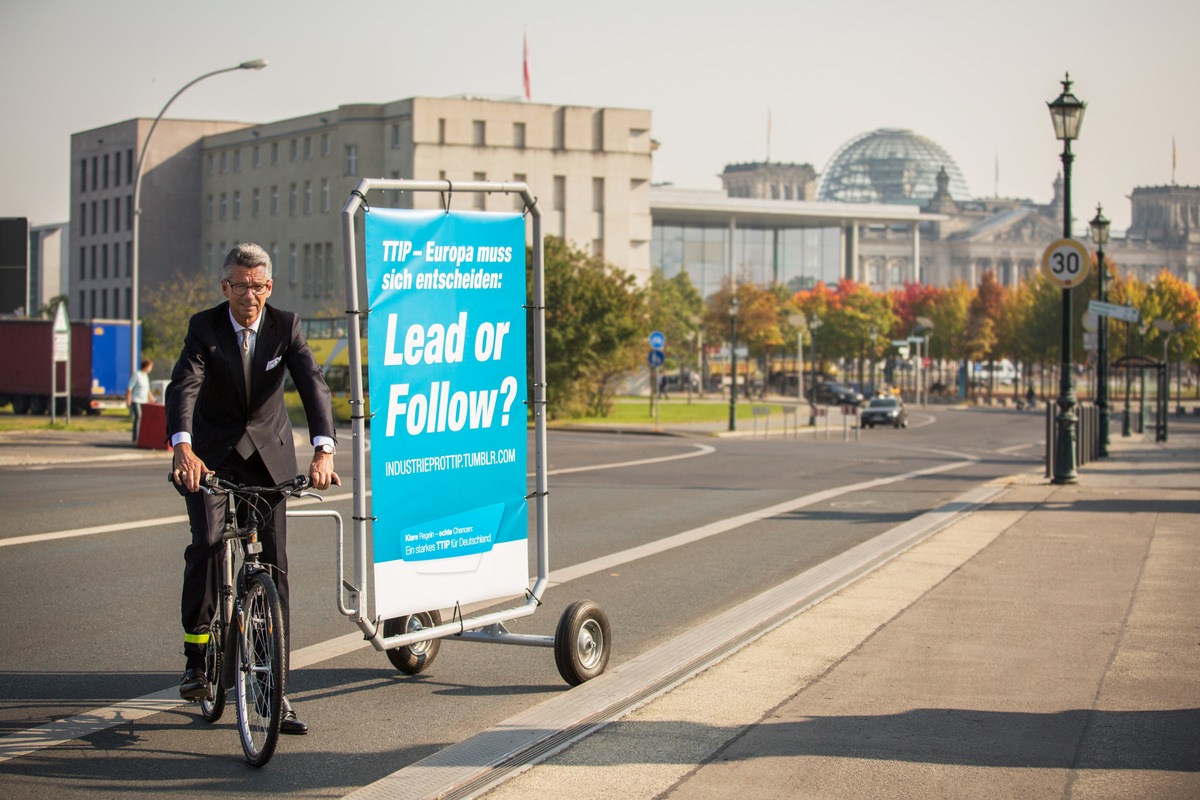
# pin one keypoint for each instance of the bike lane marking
(64, 730)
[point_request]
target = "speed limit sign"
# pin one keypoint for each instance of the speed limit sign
(1066, 262)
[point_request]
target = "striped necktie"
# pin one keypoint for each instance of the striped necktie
(245, 446)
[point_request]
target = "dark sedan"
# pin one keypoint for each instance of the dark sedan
(885, 411)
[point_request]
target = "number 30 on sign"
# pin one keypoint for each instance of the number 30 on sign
(1067, 262)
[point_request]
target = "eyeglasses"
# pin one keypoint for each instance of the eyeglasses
(256, 288)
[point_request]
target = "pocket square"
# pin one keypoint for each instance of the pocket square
(273, 363)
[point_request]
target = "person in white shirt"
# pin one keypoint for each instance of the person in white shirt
(137, 393)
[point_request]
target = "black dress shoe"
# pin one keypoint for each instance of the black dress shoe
(194, 686)
(291, 724)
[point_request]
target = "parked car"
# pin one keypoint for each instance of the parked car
(835, 394)
(885, 411)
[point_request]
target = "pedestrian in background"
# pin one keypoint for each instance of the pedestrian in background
(137, 393)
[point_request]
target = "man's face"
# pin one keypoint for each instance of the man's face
(247, 291)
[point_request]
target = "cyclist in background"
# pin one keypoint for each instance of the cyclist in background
(226, 414)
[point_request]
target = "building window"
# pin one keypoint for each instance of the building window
(95, 228)
(237, 205)
(103, 261)
(117, 168)
(224, 163)
(308, 271)
(325, 195)
(237, 160)
(116, 259)
(479, 133)
(293, 150)
(224, 206)
(254, 203)
(95, 173)
(256, 156)
(104, 173)
(308, 197)
(308, 151)
(598, 131)
(274, 200)
(480, 198)
(325, 146)
(82, 263)
(518, 201)
(351, 159)
(274, 253)
(329, 269)
(83, 175)
(274, 153)
(210, 164)
(129, 165)
(293, 271)
(395, 135)
(441, 130)
(129, 260)
(83, 219)
(560, 193)
(129, 212)
(519, 135)
(116, 214)
(293, 199)
(104, 216)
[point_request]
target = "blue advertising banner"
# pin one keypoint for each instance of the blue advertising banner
(446, 352)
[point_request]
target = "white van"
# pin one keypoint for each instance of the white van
(1001, 373)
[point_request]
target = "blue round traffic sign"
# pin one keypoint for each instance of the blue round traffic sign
(656, 358)
(657, 340)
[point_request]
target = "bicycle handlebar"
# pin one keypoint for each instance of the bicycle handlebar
(210, 482)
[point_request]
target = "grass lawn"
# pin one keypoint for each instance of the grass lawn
(677, 410)
(113, 419)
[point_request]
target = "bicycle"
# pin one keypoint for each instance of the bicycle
(247, 647)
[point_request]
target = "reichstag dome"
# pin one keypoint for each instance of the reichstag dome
(889, 165)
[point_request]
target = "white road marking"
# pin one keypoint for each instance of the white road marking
(64, 730)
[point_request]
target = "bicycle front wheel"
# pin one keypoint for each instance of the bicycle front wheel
(260, 669)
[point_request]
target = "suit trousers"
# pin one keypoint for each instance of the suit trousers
(206, 513)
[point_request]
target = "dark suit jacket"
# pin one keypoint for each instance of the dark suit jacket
(207, 394)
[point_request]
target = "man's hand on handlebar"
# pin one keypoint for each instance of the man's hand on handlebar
(321, 473)
(187, 468)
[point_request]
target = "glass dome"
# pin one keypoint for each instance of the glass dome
(889, 165)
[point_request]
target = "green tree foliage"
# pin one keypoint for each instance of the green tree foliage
(676, 308)
(166, 310)
(596, 327)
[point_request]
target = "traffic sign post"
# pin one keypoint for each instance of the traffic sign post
(1066, 262)
(62, 355)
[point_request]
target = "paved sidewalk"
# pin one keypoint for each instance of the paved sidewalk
(1044, 646)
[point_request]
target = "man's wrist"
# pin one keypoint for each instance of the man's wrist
(323, 450)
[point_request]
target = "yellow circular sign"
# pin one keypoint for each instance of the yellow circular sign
(1066, 262)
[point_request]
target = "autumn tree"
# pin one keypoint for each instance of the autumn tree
(166, 311)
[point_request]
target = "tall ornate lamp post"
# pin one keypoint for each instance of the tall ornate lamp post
(1066, 111)
(1099, 225)
(733, 384)
(814, 323)
(258, 63)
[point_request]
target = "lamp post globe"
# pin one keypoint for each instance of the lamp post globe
(1066, 112)
(1099, 225)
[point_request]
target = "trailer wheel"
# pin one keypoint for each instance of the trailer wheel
(582, 642)
(412, 659)
(20, 404)
(38, 405)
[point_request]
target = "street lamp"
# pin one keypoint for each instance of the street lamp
(922, 342)
(1099, 225)
(1066, 112)
(1143, 329)
(258, 63)
(814, 323)
(733, 308)
(798, 321)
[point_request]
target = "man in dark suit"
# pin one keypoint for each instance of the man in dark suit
(225, 414)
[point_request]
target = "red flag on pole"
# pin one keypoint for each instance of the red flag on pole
(526, 66)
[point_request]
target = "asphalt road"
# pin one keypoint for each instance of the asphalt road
(92, 620)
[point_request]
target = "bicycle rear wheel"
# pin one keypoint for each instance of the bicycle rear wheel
(212, 708)
(260, 669)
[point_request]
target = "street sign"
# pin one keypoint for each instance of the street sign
(1066, 262)
(656, 358)
(62, 334)
(657, 340)
(1125, 313)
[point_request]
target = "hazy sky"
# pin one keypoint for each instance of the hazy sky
(972, 76)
